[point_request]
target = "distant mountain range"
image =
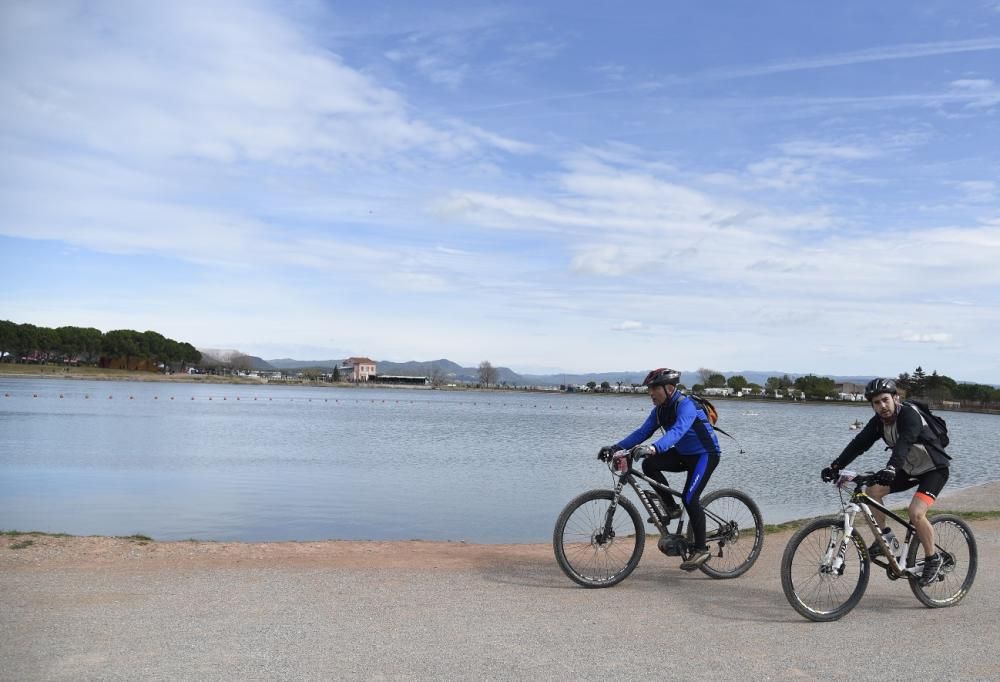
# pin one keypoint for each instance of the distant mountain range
(456, 373)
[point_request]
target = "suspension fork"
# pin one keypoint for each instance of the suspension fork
(609, 515)
(837, 551)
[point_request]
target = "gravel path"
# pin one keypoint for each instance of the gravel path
(105, 608)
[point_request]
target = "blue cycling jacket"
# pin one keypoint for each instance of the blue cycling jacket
(685, 427)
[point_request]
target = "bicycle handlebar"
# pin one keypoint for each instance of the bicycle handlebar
(858, 479)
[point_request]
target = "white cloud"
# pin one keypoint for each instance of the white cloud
(629, 326)
(221, 82)
(876, 54)
(972, 84)
(937, 337)
(828, 150)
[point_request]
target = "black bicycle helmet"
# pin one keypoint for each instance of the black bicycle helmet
(661, 377)
(879, 385)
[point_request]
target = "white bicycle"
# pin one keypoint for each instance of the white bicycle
(826, 565)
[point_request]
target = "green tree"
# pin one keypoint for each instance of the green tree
(904, 382)
(46, 343)
(26, 340)
(189, 354)
(605, 386)
(716, 381)
(737, 382)
(939, 387)
(122, 343)
(814, 387)
(917, 381)
(8, 338)
(80, 343)
(591, 385)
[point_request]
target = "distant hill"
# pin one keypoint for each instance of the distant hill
(288, 363)
(220, 356)
(456, 373)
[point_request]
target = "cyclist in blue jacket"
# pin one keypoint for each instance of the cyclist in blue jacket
(688, 444)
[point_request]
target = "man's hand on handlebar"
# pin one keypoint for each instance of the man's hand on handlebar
(642, 451)
(830, 473)
(886, 475)
(605, 453)
(621, 461)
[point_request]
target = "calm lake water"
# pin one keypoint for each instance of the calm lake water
(179, 461)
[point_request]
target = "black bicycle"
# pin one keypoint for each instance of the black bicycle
(826, 565)
(600, 535)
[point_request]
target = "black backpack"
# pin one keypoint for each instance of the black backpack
(937, 425)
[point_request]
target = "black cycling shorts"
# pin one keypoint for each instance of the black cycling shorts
(929, 484)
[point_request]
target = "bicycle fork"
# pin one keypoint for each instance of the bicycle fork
(836, 552)
(608, 533)
(836, 549)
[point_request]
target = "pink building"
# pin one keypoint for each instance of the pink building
(358, 369)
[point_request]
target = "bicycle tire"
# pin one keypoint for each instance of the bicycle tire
(734, 530)
(585, 557)
(953, 535)
(816, 594)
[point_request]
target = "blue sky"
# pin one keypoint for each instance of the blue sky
(806, 187)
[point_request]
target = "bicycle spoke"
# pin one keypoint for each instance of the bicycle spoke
(733, 531)
(589, 554)
(811, 588)
(957, 546)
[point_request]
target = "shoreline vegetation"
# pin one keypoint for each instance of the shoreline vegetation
(21, 371)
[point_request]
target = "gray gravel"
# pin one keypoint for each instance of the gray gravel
(507, 619)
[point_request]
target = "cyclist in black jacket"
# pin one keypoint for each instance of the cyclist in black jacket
(917, 460)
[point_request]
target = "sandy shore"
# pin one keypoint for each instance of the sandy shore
(94, 552)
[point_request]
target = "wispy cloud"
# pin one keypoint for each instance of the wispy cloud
(876, 54)
(829, 150)
(972, 84)
(348, 172)
(936, 337)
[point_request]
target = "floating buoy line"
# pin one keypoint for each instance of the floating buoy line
(336, 401)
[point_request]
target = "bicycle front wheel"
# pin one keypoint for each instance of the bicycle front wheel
(957, 547)
(734, 533)
(591, 551)
(810, 584)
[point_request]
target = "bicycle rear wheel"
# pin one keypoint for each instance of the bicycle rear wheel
(957, 547)
(810, 586)
(586, 551)
(734, 532)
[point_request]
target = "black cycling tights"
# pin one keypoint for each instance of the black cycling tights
(699, 469)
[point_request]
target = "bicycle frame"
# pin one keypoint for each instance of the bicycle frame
(861, 502)
(629, 476)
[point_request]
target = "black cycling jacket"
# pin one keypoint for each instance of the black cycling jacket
(910, 431)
